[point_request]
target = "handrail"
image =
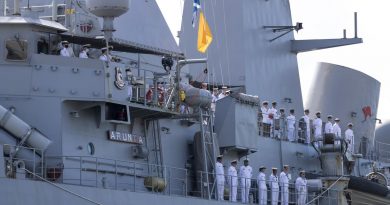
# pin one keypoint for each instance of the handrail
(177, 179)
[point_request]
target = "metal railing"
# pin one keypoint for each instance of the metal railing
(143, 177)
(380, 152)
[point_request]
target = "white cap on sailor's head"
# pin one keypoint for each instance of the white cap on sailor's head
(64, 42)
(302, 172)
(233, 161)
(330, 116)
(285, 166)
(262, 168)
(265, 102)
(337, 119)
(86, 45)
(274, 169)
(219, 156)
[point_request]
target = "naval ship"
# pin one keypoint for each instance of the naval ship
(139, 129)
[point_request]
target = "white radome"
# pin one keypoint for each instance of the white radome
(108, 8)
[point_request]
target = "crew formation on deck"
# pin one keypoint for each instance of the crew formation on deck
(278, 184)
(275, 124)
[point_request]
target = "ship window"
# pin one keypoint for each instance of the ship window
(116, 112)
(16, 50)
(91, 148)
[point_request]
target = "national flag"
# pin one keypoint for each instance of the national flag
(195, 12)
(205, 37)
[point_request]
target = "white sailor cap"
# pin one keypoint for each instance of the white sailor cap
(86, 45)
(337, 119)
(285, 166)
(330, 116)
(219, 156)
(274, 168)
(64, 42)
(224, 87)
(265, 102)
(318, 113)
(302, 172)
(262, 167)
(233, 161)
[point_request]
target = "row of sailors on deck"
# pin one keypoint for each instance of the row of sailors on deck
(277, 184)
(275, 120)
(66, 51)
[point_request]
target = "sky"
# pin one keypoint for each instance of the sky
(327, 19)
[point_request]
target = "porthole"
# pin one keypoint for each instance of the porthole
(91, 148)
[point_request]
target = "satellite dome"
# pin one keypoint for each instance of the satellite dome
(108, 8)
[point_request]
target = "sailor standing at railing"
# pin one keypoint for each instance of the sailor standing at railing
(84, 52)
(337, 130)
(284, 179)
(317, 125)
(274, 181)
(349, 137)
(233, 181)
(246, 175)
(301, 188)
(64, 50)
(261, 182)
(291, 126)
(273, 115)
(266, 120)
(306, 118)
(329, 125)
(219, 171)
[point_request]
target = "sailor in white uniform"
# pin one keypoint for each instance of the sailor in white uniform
(84, 51)
(329, 125)
(220, 173)
(306, 118)
(317, 125)
(266, 121)
(224, 93)
(261, 183)
(233, 181)
(301, 188)
(291, 126)
(274, 181)
(64, 51)
(349, 137)
(272, 116)
(214, 98)
(245, 175)
(337, 130)
(264, 112)
(284, 179)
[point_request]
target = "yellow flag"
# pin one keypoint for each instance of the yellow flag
(204, 34)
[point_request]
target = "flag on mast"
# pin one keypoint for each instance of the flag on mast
(205, 37)
(195, 12)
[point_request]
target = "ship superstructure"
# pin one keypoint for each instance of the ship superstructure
(133, 130)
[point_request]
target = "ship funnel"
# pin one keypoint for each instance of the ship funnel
(108, 10)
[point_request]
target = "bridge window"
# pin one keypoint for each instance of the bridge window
(16, 50)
